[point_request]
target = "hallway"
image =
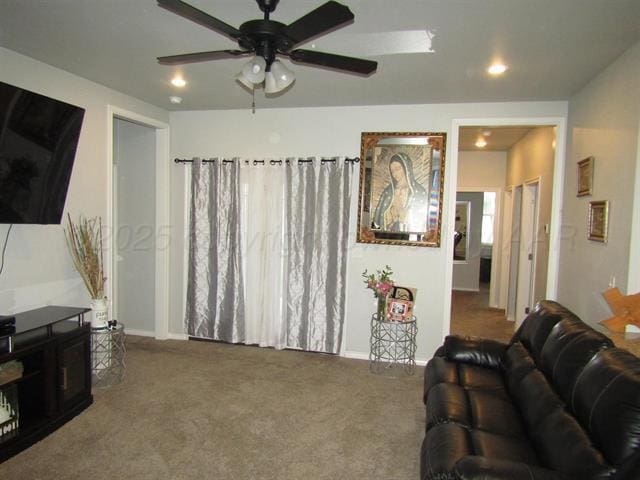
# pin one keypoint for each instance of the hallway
(471, 316)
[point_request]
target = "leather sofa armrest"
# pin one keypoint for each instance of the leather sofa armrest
(482, 468)
(476, 351)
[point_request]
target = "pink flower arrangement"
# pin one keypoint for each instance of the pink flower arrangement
(380, 282)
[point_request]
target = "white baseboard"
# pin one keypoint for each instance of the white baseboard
(365, 356)
(178, 336)
(140, 333)
(462, 289)
(356, 355)
(147, 333)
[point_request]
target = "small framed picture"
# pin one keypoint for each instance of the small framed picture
(598, 220)
(585, 176)
(399, 310)
(404, 293)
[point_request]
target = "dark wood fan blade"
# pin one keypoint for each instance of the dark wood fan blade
(324, 18)
(201, 57)
(338, 62)
(198, 16)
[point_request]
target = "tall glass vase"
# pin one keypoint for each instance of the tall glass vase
(382, 308)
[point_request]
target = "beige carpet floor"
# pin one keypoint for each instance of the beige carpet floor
(201, 410)
(471, 316)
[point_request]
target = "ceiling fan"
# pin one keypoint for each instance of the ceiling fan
(267, 39)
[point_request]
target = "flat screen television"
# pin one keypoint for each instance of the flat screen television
(38, 141)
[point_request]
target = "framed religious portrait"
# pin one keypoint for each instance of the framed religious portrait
(401, 184)
(585, 176)
(598, 220)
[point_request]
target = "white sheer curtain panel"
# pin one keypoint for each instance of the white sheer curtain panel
(264, 228)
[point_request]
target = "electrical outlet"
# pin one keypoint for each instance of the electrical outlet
(612, 281)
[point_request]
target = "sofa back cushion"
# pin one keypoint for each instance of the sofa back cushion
(516, 363)
(535, 398)
(606, 400)
(536, 327)
(568, 348)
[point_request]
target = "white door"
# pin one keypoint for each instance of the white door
(505, 242)
(134, 276)
(514, 251)
(528, 244)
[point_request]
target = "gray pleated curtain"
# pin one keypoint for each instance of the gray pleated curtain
(317, 215)
(308, 271)
(215, 294)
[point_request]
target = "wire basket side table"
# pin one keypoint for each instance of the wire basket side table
(392, 344)
(107, 355)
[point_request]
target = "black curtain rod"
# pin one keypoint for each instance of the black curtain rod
(271, 162)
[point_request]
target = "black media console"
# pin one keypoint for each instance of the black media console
(45, 375)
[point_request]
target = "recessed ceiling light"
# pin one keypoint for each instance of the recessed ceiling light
(176, 100)
(497, 69)
(481, 143)
(178, 82)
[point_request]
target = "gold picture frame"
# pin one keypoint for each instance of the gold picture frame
(401, 188)
(585, 176)
(599, 220)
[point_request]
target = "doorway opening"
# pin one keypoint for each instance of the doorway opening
(510, 173)
(137, 222)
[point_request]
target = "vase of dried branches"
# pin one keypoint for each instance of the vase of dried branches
(84, 240)
(99, 312)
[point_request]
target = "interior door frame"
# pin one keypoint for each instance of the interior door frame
(513, 257)
(533, 232)
(560, 124)
(162, 204)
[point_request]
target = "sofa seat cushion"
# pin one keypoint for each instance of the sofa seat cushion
(477, 409)
(447, 443)
(440, 370)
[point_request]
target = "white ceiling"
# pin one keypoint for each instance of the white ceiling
(499, 139)
(553, 48)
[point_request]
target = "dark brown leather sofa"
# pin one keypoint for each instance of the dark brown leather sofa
(559, 401)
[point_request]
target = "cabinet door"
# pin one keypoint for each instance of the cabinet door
(75, 372)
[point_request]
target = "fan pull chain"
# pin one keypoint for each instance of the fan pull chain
(253, 101)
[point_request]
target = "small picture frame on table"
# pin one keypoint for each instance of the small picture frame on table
(400, 304)
(585, 176)
(599, 220)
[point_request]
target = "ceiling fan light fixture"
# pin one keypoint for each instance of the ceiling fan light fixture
(283, 76)
(270, 83)
(255, 69)
(240, 78)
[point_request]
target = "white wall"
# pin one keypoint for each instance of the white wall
(326, 132)
(480, 171)
(603, 121)
(38, 269)
(533, 157)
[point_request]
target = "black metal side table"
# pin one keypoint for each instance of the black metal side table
(392, 344)
(107, 355)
